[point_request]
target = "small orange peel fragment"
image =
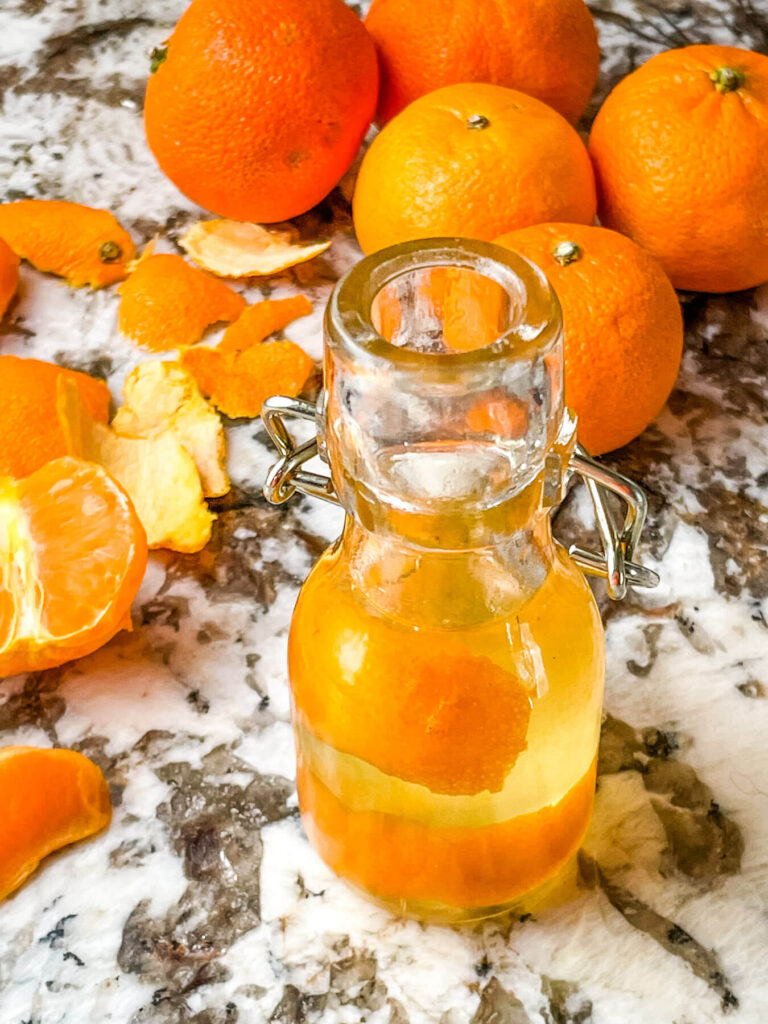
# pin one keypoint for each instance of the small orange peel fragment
(230, 248)
(166, 303)
(261, 320)
(238, 383)
(86, 246)
(157, 473)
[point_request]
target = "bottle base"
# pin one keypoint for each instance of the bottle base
(558, 889)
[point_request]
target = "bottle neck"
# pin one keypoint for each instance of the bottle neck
(449, 585)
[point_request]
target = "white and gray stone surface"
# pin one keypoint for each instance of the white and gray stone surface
(203, 902)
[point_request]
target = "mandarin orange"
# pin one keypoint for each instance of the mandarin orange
(545, 48)
(622, 323)
(30, 432)
(680, 150)
(258, 107)
(48, 799)
(72, 556)
(474, 160)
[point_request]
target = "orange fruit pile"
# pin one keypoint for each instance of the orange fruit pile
(72, 557)
(545, 48)
(48, 799)
(680, 148)
(622, 323)
(472, 160)
(258, 107)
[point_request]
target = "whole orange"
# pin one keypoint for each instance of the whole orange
(622, 323)
(474, 160)
(257, 107)
(545, 48)
(680, 149)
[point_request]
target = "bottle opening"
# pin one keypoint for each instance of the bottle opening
(439, 310)
(443, 382)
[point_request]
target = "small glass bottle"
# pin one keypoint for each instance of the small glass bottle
(446, 654)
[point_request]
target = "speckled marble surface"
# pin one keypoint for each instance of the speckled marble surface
(203, 902)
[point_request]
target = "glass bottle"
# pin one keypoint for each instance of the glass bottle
(446, 654)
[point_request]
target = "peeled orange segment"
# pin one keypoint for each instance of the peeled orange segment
(162, 396)
(231, 248)
(30, 432)
(166, 303)
(239, 383)
(72, 556)
(86, 246)
(158, 474)
(9, 275)
(261, 320)
(48, 799)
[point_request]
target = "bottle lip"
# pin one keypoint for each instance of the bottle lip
(348, 317)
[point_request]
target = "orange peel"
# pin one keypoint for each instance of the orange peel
(261, 320)
(162, 396)
(166, 303)
(86, 246)
(230, 248)
(239, 382)
(158, 474)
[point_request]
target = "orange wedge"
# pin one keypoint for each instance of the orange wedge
(48, 799)
(72, 556)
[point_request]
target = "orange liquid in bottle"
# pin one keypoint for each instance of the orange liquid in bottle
(445, 770)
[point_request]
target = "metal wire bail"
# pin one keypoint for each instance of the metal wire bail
(615, 564)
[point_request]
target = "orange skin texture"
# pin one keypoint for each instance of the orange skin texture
(261, 320)
(428, 173)
(73, 559)
(66, 238)
(48, 799)
(261, 105)
(397, 859)
(9, 276)
(238, 383)
(545, 48)
(30, 431)
(683, 168)
(429, 713)
(167, 303)
(623, 329)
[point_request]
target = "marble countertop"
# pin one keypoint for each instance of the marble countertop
(203, 902)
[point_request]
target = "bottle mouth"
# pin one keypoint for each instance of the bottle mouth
(441, 304)
(443, 382)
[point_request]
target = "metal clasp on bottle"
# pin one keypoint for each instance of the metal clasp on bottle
(615, 564)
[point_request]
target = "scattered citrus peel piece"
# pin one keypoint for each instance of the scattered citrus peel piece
(167, 303)
(162, 396)
(239, 382)
(86, 246)
(158, 474)
(261, 320)
(231, 248)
